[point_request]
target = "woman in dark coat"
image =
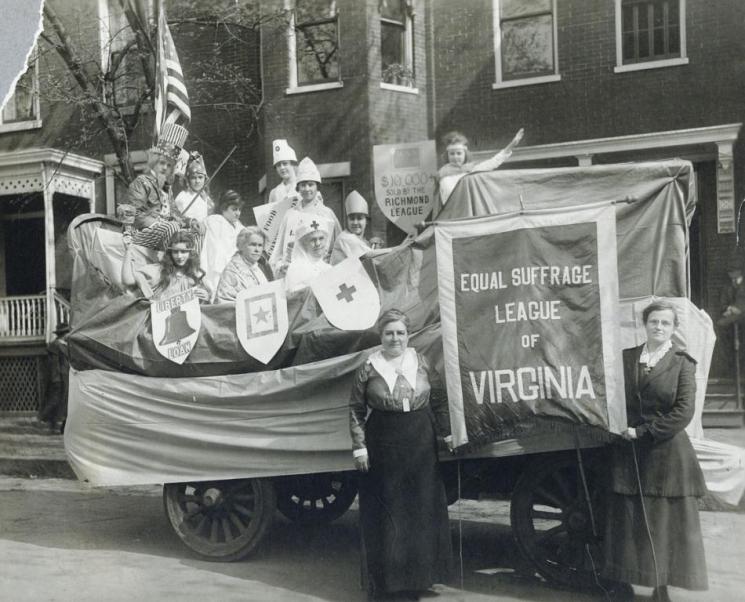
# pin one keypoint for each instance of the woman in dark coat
(653, 538)
(403, 507)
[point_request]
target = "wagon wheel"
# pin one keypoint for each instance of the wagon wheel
(221, 520)
(316, 498)
(552, 523)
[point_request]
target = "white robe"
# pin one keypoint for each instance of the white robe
(199, 209)
(302, 271)
(282, 252)
(281, 192)
(348, 245)
(218, 248)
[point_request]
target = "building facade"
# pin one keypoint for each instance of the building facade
(591, 81)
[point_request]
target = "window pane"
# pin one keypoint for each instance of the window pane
(510, 9)
(643, 43)
(628, 18)
(659, 13)
(527, 47)
(317, 56)
(391, 45)
(674, 44)
(628, 47)
(659, 41)
(393, 10)
(314, 10)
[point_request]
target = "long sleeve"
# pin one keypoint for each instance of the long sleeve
(437, 399)
(358, 408)
(671, 423)
(144, 196)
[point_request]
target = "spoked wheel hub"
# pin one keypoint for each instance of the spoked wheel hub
(221, 520)
(554, 524)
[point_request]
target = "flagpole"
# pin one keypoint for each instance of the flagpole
(219, 167)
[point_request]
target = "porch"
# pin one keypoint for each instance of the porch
(26, 319)
(41, 191)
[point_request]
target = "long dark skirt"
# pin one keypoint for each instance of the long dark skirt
(403, 508)
(676, 536)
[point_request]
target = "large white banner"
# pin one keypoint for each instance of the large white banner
(529, 308)
(405, 176)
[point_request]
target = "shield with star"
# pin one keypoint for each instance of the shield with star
(261, 319)
(347, 295)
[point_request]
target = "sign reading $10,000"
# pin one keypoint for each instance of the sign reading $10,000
(405, 181)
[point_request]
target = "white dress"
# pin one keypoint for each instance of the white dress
(199, 209)
(218, 248)
(302, 271)
(282, 252)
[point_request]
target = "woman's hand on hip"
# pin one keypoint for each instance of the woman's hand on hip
(362, 463)
(629, 434)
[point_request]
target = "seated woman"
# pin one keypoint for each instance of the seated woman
(220, 237)
(309, 254)
(177, 271)
(247, 267)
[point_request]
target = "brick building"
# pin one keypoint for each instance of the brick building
(591, 81)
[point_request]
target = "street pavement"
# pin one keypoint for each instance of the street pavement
(64, 541)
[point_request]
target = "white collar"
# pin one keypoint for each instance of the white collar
(651, 359)
(408, 369)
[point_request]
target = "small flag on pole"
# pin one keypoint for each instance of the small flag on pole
(171, 97)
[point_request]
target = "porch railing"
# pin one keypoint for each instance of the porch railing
(23, 318)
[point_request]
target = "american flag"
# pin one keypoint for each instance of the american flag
(171, 97)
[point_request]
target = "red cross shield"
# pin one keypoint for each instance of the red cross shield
(347, 296)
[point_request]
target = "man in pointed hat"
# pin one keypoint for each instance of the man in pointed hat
(352, 242)
(311, 202)
(285, 162)
(149, 193)
(310, 251)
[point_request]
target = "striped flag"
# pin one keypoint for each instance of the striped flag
(171, 97)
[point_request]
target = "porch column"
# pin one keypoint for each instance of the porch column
(726, 211)
(49, 259)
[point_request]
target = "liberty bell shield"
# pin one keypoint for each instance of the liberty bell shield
(261, 319)
(347, 295)
(176, 321)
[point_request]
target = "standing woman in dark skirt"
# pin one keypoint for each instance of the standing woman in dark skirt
(403, 507)
(653, 537)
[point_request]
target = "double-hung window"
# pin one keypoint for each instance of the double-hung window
(650, 33)
(525, 45)
(396, 42)
(314, 45)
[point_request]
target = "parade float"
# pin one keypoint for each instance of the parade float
(522, 294)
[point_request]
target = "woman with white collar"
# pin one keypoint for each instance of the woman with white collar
(404, 529)
(653, 533)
